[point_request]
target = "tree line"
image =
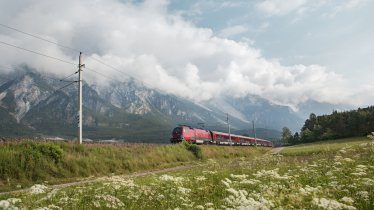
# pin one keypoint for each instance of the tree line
(337, 125)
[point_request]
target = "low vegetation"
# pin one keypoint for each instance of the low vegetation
(26, 162)
(323, 147)
(342, 178)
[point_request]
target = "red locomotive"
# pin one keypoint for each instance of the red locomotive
(201, 136)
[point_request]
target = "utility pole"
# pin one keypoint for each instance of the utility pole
(254, 131)
(228, 123)
(80, 117)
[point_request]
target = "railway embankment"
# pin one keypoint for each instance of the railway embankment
(26, 162)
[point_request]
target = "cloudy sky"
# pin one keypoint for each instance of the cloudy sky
(287, 51)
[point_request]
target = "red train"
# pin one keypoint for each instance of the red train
(201, 136)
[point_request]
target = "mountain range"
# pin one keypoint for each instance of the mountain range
(32, 104)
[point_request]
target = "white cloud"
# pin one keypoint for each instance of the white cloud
(232, 31)
(163, 50)
(280, 7)
(346, 6)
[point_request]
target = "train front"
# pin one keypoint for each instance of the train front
(177, 135)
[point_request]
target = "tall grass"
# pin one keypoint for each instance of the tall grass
(323, 146)
(26, 162)
(342, 179)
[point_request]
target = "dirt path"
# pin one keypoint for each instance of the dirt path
(136, 174)
(96, 179)
(275, 151)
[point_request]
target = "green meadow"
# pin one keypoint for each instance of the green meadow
(333, 175)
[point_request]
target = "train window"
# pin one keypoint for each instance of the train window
(177, 130)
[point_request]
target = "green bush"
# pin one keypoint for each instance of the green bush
(196, 150)
(37, 150)
(52, 151)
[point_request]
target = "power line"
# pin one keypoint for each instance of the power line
(109, 66)
(42, 75)
(64, 79)
(106, 76)
(38, 53)
(64, 86)
(66, 47)
(39, 37)
(63, 46)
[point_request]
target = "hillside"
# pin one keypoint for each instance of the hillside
(31, 104)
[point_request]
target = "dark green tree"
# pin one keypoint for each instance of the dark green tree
(286, 136)
(296, 138)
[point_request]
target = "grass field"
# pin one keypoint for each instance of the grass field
(324, 146)
(341, 177)
(24, 163)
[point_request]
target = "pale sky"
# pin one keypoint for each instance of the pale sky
(287, 51)
(335, 34)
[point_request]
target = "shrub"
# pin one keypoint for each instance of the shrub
(371, 136)
(196, 150)
(52, 151)
(38, 150)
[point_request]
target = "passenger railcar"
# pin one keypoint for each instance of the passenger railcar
(201, 136)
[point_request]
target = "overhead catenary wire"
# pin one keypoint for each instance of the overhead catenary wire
(38, 53)
(65, 86)
(73, 49)
(101, 74)
(64, 79)
(42, 75)
(60, 45)
(39, 37)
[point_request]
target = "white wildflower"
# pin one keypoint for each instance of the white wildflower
(64, 200)
(183, 190)
(308, 190)
(96, 203)
(240, 177)
(200, 178)
(199, 207)
(209, 204)
(250, 181)
(239, 200)
(368, 182)
(331, 204)
(329, 173)
(338, 157)
(38, 189)
(209, 172)
(271, 173)
(10, 204)
(228, 180)
(313, 165)
(364, 195)
(176, 180)
(160, 197)
(233, 191)
(338, 163)
(333, 184)
(226, 183)
(118, 181)
(347, 200)
(342, 151)
(348, 160)
(361, 166)
(358, 174)
(110, 201)
(49, 207)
